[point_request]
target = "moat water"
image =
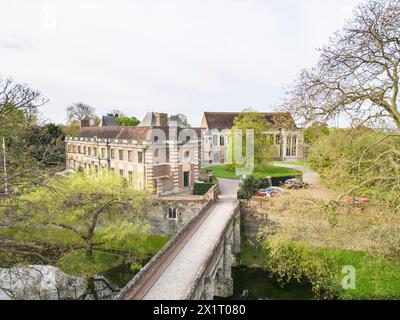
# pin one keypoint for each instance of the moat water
(49, 283)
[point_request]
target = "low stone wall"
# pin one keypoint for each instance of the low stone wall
(156, 261)
(186, 209)
(254, 215)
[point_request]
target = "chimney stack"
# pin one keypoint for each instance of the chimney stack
(162, 120)
(85, 123)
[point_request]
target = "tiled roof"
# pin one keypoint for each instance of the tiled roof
(108, 121)
(225, 120)
(123, 133)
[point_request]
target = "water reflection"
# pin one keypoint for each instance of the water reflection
(38, 282)
(255, 284)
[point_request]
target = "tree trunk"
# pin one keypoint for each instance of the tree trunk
(89, 248)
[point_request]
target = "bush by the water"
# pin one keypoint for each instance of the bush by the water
(375, 277)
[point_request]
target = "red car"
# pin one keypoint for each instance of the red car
(358, 200)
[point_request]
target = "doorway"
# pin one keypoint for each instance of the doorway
(186, 179)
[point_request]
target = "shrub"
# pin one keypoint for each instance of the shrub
(201, 188)
(249, 187)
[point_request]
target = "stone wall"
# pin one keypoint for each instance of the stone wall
(186, 209)
(253, 216)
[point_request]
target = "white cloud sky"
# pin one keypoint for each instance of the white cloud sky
(163, 55)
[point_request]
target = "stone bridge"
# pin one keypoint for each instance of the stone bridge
(196, 264)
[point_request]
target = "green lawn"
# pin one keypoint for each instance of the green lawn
(376, 277)
(273, 171)
(78, 264)
(67, 238)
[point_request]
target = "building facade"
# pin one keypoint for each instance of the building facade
(285, 135)
(157, 155)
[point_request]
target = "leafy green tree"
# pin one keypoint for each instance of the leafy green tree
(99, 208)
(127, 121)
(46, 144)
(72, 129)
(264, 150)
(315, 131)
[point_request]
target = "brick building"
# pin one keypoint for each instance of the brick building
(157, 155)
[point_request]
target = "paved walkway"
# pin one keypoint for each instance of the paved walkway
(309, 176)
(179, 275)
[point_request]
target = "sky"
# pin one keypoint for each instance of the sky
(167, 56)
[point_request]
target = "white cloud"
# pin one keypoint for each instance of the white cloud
(172, 56)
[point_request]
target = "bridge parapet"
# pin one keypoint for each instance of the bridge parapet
(215, 277)
(135, 289)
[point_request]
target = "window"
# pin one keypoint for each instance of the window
(84, 150)
(187, 155)
(95, 151)
(140, 157)
(130, 176)
(288, 148)
(79, 149)
(89, 151)
(121, 154)
(103, 152)
(294, 146)
(172, 213)
(112, 154)
(221, 141)
(215, 140)
(121, 172)
(130, 156)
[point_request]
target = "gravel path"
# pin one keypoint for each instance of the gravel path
(179, 275)
(309, 176)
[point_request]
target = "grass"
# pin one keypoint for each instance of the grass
(61, 237)
(273, 171)
(376, 277)
(78, 264)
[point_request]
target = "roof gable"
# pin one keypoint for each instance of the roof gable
(225, 120)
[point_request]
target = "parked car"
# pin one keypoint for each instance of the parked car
(358, 200)
(270, 192)
(296, 184)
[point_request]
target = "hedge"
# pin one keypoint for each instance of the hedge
(200, 189)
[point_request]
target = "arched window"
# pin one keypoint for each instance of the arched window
(215, 140)
(294, 146)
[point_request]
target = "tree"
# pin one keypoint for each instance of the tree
(46, 144)
(127, 121)
(80, 111)
(72, 129)
(358, 71)
(264, 151)
(315, 131)
(183, 121)
(99, 208)
(18, 97)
